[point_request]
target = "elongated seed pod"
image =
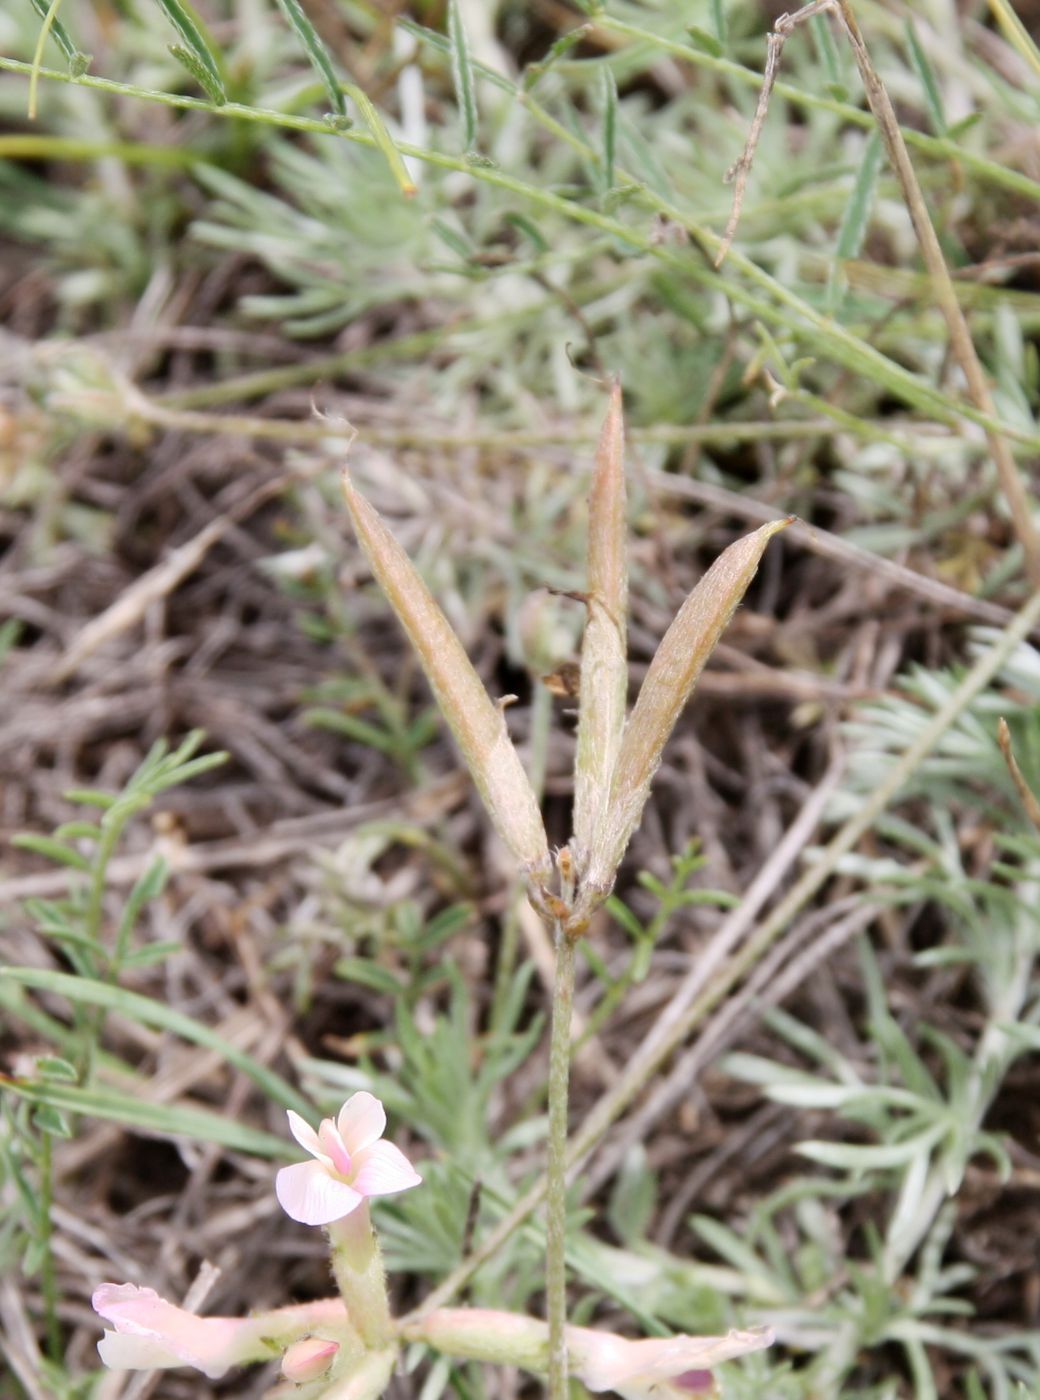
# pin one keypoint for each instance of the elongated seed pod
(604, 664)
(669, 682)
(474, 719)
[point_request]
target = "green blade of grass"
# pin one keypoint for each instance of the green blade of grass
(384, 141)
(462, 75)
(316, 52)
(62, 37)
(610, 99)
(929, 82)
(189, 60)
(155, 1013)
(198, 51)
(164, 1120)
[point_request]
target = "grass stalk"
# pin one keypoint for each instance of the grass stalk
(48, 1273)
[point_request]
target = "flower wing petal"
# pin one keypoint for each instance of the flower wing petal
(615, 1361)
(305, 1135)
(307, 1193)
(382, 1169)
(125, 1353)
(361, 1121)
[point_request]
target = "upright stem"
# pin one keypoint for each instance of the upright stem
(357, 1264)
(556, 1169)
(48, 1274)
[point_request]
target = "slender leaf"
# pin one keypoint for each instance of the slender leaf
(609, 84)
(62, 37)
(164, 1120)
(382, 138)
(197, 53)
(316, 52)
(857, 212)
(54, 850)
(718, 20)
(462, 74)
(929, 83)
(155, 1013)
(189, 60)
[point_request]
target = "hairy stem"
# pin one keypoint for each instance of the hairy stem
(556, 1167)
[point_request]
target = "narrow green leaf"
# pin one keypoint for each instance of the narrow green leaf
(857, 212)
(147, 887)
(51, 1120)
(90, 797)
(369, 974)
(462, 75)
(868, 1157)
(563, 45)
(53, 850)
(929, 84)
(155, 1013)
(54, 1067)
(78, 831)
(827, 50)
(718, 20)
(166, 1120)
(189, 60)
(184, 771)
(316, 52)
(197, 52)
(609, 85)
(151, 953)
(704, 40)
(530, 229)
(62, 36)
(382, 138)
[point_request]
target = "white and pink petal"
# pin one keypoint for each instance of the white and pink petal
(382, 1169)
(361, 1121)
(309, 1194)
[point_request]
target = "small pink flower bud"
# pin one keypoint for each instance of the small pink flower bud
(308, 1359)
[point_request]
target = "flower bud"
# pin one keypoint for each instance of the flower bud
(308, 1359)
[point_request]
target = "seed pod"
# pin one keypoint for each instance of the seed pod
(604, 665)
(474, 719)
(673, 673)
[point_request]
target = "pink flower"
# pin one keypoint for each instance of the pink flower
(152, 1333)
(664, 1368)
(350, 1164)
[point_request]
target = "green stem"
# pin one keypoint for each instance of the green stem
(357, 1265)
(556, 1166)
(48, 1275)
(541, 724)
(94, 1019)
